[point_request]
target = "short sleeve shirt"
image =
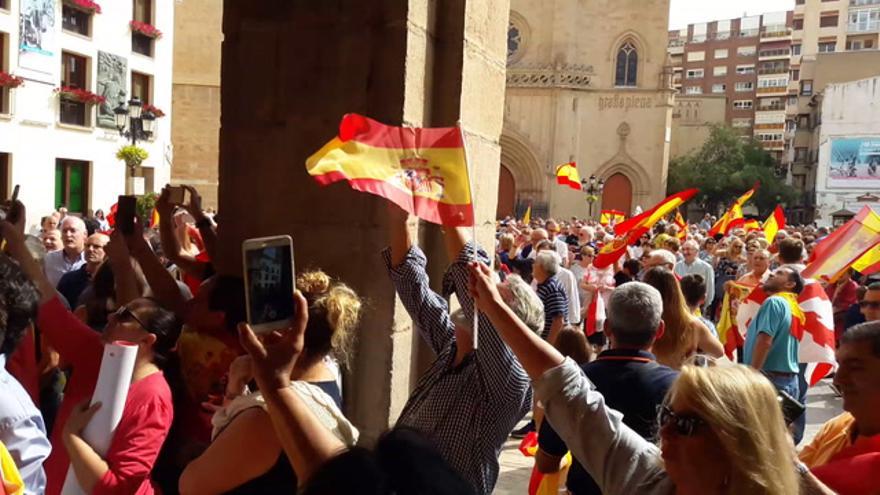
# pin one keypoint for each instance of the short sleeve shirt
(552, 294)
(774, 319)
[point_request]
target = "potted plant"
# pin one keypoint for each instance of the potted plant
(80, 95)
(8, 80)
(145, 29)
(87, 6)
(132, 155)
(156, 111)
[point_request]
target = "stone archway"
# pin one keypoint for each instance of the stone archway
(518, 157)
(506, 193)
(618, 193)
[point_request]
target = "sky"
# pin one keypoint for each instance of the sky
(684, 12)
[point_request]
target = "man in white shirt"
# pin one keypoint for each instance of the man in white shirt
(692, 264)
(73, 236)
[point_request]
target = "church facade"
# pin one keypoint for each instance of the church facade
(587, 81)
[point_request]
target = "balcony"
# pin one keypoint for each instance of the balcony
(771, 108)
(781, 53)
(863, 27)
(773, 145)
(773, 91)
(772, 70)
(776, 34)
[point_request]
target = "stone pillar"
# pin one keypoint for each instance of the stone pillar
(291, 69)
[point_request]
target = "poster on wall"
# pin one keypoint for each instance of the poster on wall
(112, 77)
(854, 163)
(38, 45)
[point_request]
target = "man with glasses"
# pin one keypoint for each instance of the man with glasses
(627, 375)
(870, 304)
(72, 284)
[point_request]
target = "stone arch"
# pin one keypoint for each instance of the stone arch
(638, 178)
(521, 161)
(618, 193)
(641, 47)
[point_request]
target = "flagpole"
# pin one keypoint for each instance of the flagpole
(476, 334)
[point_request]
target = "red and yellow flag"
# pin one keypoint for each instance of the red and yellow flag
(527, 218)
(852, 241)
(154, 219)
(612, 251)
(567, 175)
(422, 170)
(611, 217)
(774, 223)
(750, 224)
(682, 226)
(734, 216)
(869, 263)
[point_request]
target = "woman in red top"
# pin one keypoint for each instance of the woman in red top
(146, 419)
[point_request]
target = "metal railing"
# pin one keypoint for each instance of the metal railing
(773, 70)
(775, 53)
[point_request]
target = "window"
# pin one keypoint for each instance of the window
(626, 73)
(792, 99)
(795, 74)
(696, 56)
(803, 121)
(4, 92)
(72, 185)
(141, 87)
(739, 123)
(800, 154)
(827, 47)
(746, 51)
(4, 4)
(828, 20)
(776, 82)
(694, 74)
(769, 137)
(742, 104)
(721, 53)
(74, 69)
(4, 168)
(719, 70)
(142, 11)
(742, 87)
(798, 24)
(719, 88)
(796, 49)
(864, 20)
(75, 21)
(854, 45)
(745, 69)
(693, 90)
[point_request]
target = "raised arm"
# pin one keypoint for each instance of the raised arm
(205, 225)
(162, 284)
(16, 248)
(170, 244)
(123, 273)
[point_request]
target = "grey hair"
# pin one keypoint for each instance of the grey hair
(549, 261)
(692, 243)
(78, 222)
(524, 302)
(665, 255)
(36, 249)
(634, 313)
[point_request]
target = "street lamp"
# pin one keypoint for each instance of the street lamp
(592, 187)
(133, 122)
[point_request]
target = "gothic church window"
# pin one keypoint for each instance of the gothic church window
(627, 68)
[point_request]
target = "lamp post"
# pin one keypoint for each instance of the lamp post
(135, 124)
(592, 187)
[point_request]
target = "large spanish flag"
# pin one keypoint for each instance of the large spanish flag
(839, 251)
(567, 175)
(734, 216)
(424, 171)
(612, 251)
(869, 263)
(774, 223)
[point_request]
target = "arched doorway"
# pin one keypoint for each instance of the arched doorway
(506, 193)
(617, 194)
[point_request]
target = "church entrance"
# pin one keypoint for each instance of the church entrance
(617, 194)
(506, 193)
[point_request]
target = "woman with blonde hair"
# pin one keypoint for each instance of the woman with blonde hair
(245, 455)
(684, 333)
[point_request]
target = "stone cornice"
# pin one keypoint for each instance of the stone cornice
(550, 76)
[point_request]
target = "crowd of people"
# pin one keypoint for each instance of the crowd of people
(619, 365)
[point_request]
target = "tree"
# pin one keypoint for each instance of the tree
(727, 166)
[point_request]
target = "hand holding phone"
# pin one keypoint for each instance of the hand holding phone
(126, 209)
(176, 195)
(269, 282)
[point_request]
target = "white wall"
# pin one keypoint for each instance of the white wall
(32, 134)
(849, 110)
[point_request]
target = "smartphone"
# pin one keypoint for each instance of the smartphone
(126, 209)
(14, 210)
(176, 195)
(269, 282)
(791, 408)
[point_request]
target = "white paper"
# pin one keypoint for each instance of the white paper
(111, 391)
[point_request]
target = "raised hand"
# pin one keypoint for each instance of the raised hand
(194, 207)
(274, 357)
(482, 286)
(164, 205)
(117, 248)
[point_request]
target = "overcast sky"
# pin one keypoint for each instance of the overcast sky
(684, 12)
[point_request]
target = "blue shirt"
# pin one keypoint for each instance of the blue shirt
(553, 296)
(22, 431)
(774, 319)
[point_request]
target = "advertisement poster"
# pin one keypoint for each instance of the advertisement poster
(854, 163)
(38, 44)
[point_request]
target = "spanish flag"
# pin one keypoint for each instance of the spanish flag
(751, 224)
(846, 246)
(734, 216)
(611, 217)
(612, 251)
(422, 170)
(154, 219)
(539, 483)
(567, 175)
(682, 226)
(774, 224)
(869, 263)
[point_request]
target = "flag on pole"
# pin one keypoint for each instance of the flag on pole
(774, 223)
(612, 217)
(527, 218)
(816, 335)
(567, 175)
(682, 226)
(422, 170)
(728, 333)
(734, 216)
(843, 248)
(751, 224)
(612, 251)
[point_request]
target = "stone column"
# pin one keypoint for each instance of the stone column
(290, 70)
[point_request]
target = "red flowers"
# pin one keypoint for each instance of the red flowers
(157, 112)
(85, 5)
(80, 95)
(145, 29)
(9, 81)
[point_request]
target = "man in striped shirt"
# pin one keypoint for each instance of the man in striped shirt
(552, 294)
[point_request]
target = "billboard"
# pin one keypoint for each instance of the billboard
(854, 163)
(37, 49)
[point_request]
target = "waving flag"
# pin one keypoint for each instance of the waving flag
(869, 263)
(422, 170)
(816, 336)
(751, 224)
(728, 332)
(774, 223)
(682, 226)
(611, 217)
(840, 250)
(734, 216)
(539, 483)
(612, 251)
(567, 175)
(527, 218)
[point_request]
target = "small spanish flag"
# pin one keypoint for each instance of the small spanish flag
(734, 216)
(612, 217)
(774, 223)
(682, 226)
(567, 175)
(422, 170)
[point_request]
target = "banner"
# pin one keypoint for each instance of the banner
(38, 46)
(854, 163)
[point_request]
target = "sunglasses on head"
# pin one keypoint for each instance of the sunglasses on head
(869, 304)
(682, 424)
(125, 314)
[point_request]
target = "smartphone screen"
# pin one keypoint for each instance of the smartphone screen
(269, 284)
(176, 195)
(125, 212)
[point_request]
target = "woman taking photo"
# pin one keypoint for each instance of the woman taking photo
(146, 418)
